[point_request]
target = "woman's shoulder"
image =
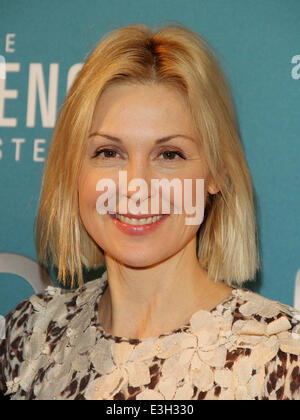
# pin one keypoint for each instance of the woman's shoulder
(257, 319)
(54, 304)
(35, 319)
(265, 351)
(268, 315)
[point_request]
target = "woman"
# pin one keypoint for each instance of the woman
(168, 318)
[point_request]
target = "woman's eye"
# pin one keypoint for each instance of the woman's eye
(107, 153)
(171, 154)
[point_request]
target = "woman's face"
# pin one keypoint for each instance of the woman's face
(127, 122)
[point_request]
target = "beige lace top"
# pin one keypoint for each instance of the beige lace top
(247, 347)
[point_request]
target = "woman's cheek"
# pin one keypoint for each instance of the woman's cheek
(88, 194)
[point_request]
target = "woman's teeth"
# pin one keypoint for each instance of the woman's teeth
(132, 221)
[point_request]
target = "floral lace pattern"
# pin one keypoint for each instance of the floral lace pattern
(247, 347)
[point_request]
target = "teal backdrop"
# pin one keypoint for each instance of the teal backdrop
(42, 44)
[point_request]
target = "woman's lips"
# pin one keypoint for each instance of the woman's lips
(140, 216)
(137, 230)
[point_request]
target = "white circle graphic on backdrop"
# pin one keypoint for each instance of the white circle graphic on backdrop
(26, 268)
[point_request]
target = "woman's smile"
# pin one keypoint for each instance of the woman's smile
(137, 225)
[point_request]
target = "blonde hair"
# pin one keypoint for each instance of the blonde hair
(178, 57)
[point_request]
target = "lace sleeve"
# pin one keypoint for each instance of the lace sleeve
(12, 345)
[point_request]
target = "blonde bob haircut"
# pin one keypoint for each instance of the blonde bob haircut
(178, 57)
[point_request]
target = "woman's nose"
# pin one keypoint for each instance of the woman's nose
(138, 170)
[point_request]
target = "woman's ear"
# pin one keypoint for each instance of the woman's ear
(213, 188)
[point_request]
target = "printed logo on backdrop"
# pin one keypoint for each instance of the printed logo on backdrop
(296, 69)
(26, 268)
(2, 67)
(41, 100)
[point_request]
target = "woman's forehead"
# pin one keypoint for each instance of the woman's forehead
(142, 108)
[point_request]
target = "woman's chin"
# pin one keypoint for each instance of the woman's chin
(137, 261)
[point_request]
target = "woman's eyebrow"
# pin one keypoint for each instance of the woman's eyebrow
(158, 141)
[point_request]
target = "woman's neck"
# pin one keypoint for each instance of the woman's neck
(147, 302)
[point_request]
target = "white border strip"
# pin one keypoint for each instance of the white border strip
(297, 291)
